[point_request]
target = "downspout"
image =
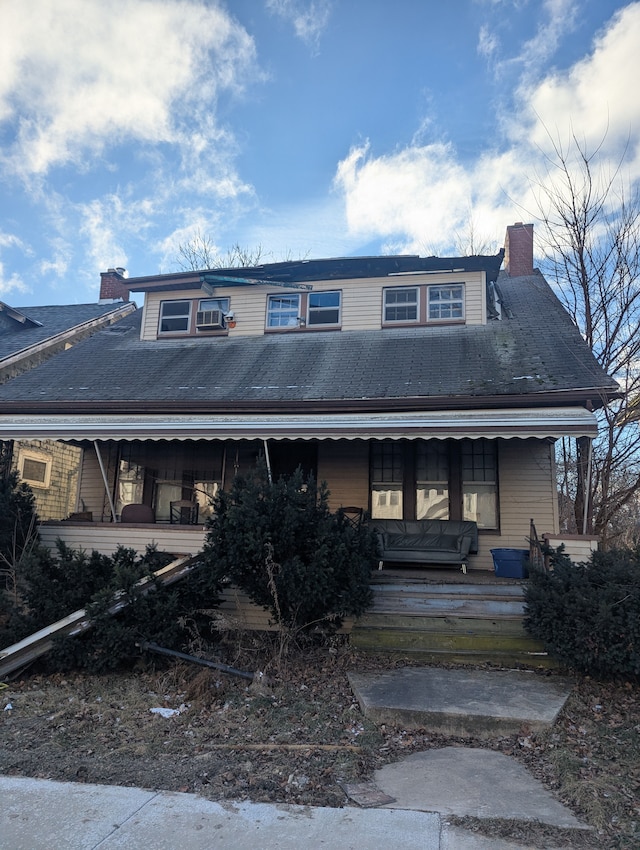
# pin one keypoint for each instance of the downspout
(105, 480)
(587, 488)
(268, 460)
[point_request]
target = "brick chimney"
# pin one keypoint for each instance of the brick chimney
(113, 285)
(518, 249)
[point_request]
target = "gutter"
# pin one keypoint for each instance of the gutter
(591, 398)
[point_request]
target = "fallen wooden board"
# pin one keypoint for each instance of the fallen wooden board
(29, 649)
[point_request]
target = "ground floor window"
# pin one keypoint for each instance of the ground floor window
(158, 474)
(435, 479)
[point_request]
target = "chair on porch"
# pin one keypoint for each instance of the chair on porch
(136, 512)
(183, 512)
(353, 515)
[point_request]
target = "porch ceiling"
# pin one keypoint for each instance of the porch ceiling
(507, 423)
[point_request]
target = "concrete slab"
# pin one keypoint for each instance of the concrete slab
(472, 782)
(40, 815)
(461, 702)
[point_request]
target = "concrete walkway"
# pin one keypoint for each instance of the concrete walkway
(405, 806)
(461, 702)
(38, 814)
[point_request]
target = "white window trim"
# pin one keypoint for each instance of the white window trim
(271, 313)
(38, 457)
(388, 289)
(462, 300)
(188, 315)
(310, 309)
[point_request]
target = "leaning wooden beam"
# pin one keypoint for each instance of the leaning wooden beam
(29, 649)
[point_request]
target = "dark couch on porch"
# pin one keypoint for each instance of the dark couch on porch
(426, 541)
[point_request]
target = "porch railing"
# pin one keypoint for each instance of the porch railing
(538, 556)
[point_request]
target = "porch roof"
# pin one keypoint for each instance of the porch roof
(457, 424)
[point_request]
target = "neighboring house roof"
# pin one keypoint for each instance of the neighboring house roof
(29, 334)
(533, 356)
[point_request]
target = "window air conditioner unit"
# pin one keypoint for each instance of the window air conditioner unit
(209, 320)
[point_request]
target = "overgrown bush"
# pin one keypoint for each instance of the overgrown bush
(18, 540)
(588, 615)
(57, 584)
(280, 544)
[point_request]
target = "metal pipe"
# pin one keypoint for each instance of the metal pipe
(173, 653)
(105, 480)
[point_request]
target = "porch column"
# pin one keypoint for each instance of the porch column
(105, 480)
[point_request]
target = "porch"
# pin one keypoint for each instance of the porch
(432, 614)
(105, 537)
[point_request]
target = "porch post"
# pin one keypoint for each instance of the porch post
(105, 480)
(587, 488)
(267, 460)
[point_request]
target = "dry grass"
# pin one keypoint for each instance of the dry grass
(298, 733)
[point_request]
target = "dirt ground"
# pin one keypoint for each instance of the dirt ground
(298, 736)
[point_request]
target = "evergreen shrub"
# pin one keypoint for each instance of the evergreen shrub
(588, 614)
(281, 545)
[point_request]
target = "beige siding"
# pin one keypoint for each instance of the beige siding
(93, 496)
(344, 465)
(361, 301)
(527, 491)
(105, 538)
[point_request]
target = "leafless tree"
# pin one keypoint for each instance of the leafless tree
(201, 252)
(590, 219)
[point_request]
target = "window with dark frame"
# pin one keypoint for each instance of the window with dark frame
(435, 479)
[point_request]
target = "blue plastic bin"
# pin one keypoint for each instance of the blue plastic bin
(511, 563)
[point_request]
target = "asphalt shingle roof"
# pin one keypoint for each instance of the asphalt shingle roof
(533, 349)
(15, 336)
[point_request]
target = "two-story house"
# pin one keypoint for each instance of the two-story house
(28, 337)
(415, 387)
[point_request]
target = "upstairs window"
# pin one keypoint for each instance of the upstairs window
(283, 311)
(174, 316)
(401, 304)
(310, 309)
(324, 308)
(210, 314)
(446, 302)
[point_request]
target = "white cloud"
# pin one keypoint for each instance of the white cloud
(423, 193)
(488, 42)
(77, 78)
(309, 19)
(11, 285)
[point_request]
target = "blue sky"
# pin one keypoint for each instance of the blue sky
(311, 128)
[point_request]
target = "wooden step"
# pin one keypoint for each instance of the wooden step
(449, 622)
